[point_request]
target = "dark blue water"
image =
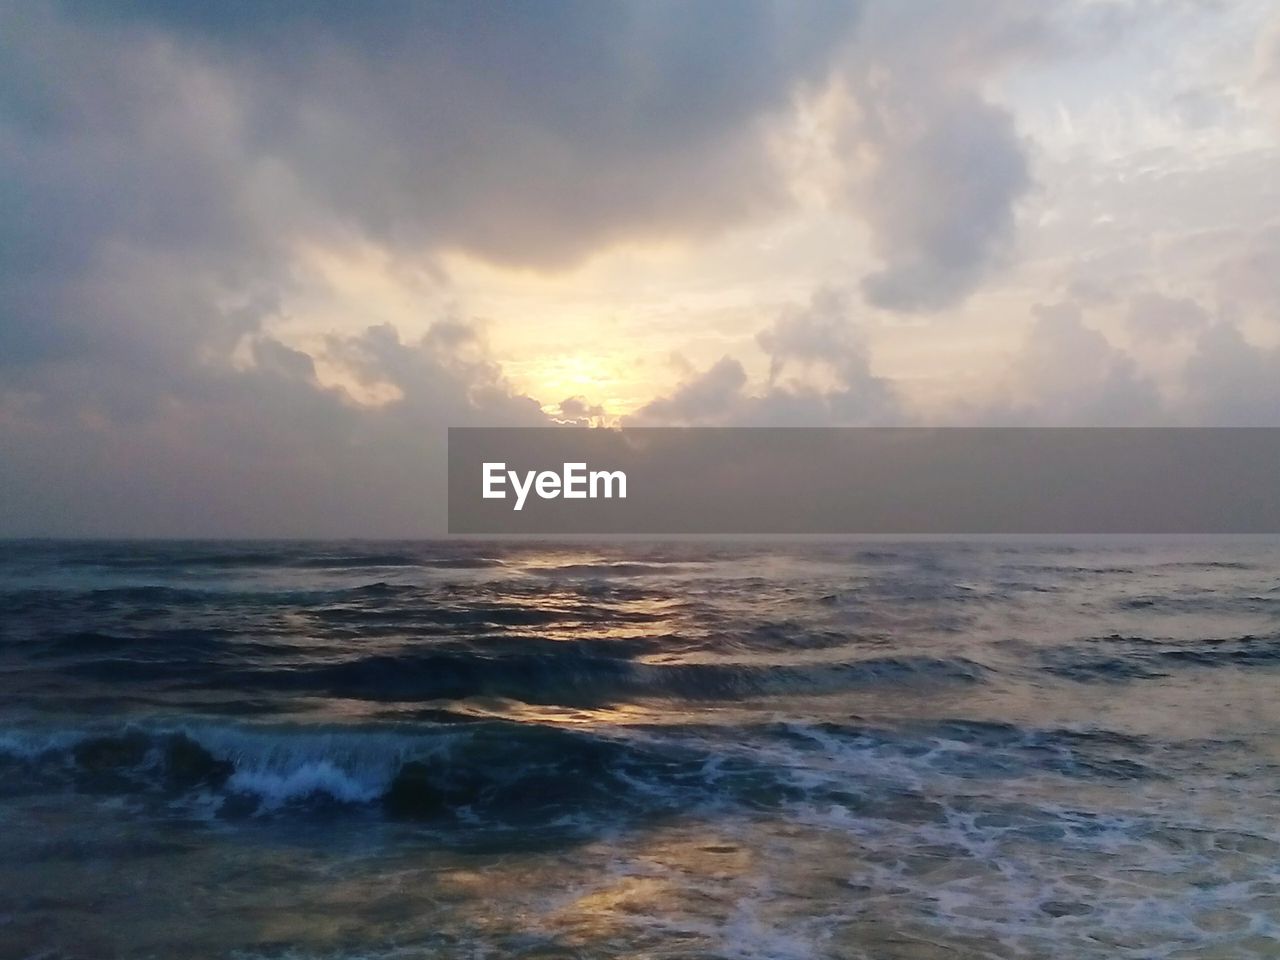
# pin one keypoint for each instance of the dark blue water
(377, 750)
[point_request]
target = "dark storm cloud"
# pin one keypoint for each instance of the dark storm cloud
(143, 232)
(527, 133)
(145, 140)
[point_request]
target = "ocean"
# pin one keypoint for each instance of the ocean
(475, 749)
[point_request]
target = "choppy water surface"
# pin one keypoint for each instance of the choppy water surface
(482, 750)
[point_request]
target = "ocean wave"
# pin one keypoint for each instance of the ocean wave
(475, 614)
(491, 770)
(1144, 658)
(983, 750)
(494, 772)
(572, 677)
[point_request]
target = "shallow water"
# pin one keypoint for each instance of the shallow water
(341, 750)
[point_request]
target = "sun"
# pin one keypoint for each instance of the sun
(613, 382)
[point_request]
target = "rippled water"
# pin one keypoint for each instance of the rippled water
(341, 750)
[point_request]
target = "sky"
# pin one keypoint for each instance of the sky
(256, 259)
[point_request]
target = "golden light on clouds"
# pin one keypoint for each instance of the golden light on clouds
(638, 315)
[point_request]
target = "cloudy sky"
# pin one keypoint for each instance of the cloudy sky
(255, 259)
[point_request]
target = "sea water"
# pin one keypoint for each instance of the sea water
(478, 749)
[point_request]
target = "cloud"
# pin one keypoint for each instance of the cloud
(1231, 382)
(1076, 376)
(709, 397)
(1249, 278)
(1267, 58)
(825, 345)
(1067, 373)
(525, 135)
(941, 167)
(1154, 316)
(817, 334)
(939, 201)
(262, 451)
(577, 411)
(819, 375)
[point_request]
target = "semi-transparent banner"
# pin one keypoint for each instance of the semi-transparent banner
(863, 480)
